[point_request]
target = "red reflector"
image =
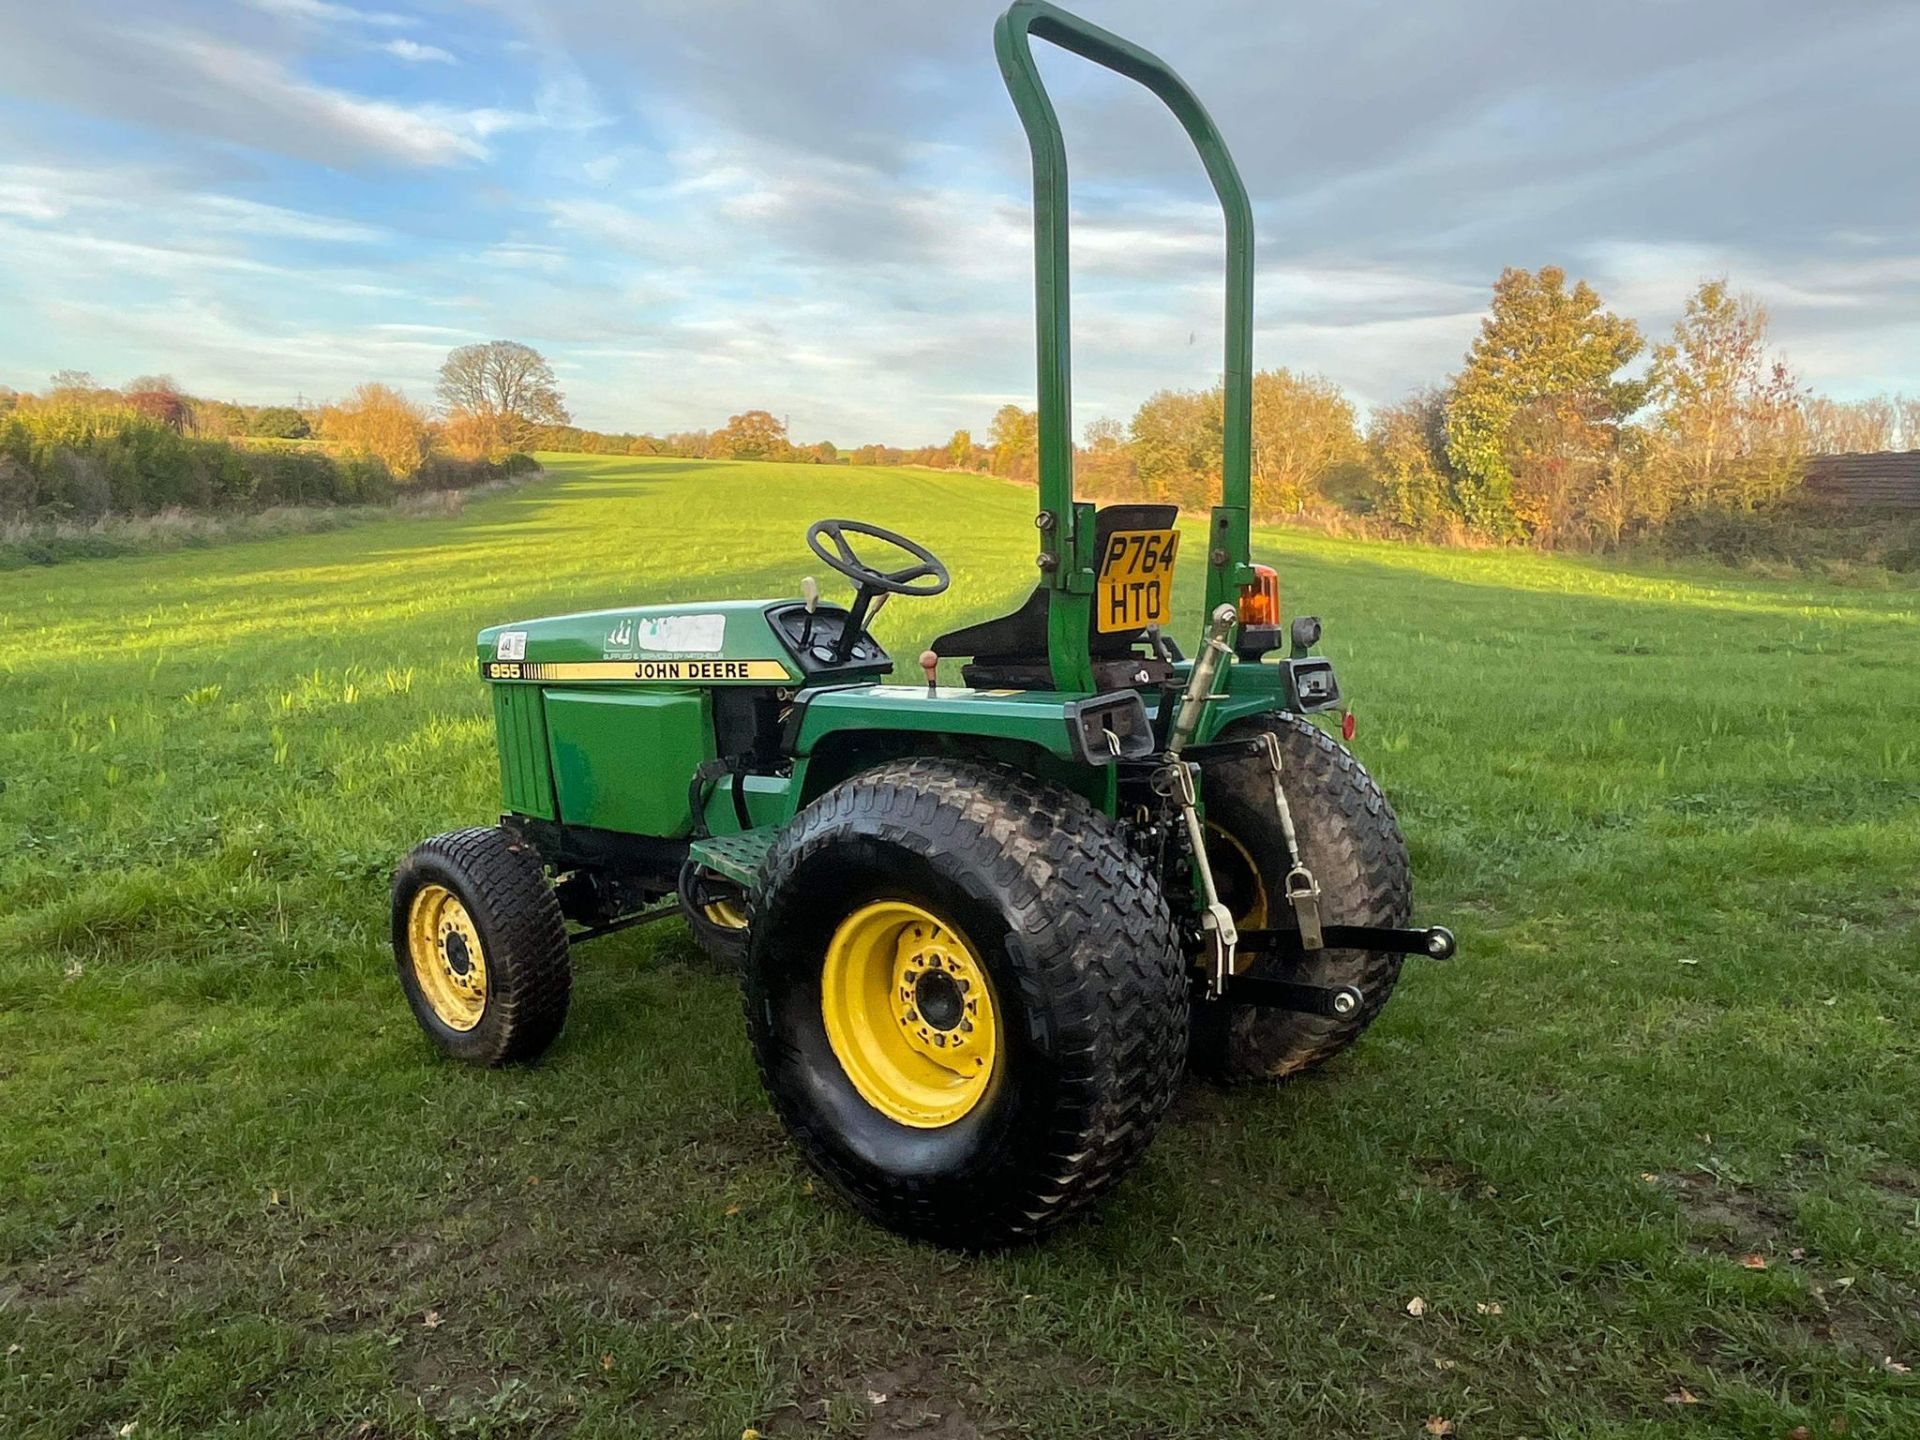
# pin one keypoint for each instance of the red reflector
(1347, 727)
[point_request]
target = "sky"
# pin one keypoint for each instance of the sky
(821, 208)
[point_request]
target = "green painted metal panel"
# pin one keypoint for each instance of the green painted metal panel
(769, 800)
(1034, 716)
(520, 732)
(1063, 560)
(623, 759)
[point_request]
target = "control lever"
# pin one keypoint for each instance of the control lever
(809, 592)
(930, 662)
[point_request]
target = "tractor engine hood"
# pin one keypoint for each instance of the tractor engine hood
(729, 642)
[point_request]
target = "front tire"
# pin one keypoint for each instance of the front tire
(966, 999)
(481, 946)
(1350, 839)
(716, 914)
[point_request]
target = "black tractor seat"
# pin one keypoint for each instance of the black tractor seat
(1010, 653)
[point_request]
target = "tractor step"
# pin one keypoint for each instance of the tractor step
(736, 857)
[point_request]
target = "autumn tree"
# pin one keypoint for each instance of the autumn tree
(158, 397)
(960, 449)
(752, 435)
(1303, 428)
(1176, 444)
(280, 422)
(1547, 350)
(1906, 422)
(1015, 439)
(378, 420)
(72, 387)
(1407, 451)
(1103, 463)
(498, 393)
(1729, 431)
(1842, 427)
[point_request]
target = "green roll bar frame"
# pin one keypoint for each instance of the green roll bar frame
(1067, 564)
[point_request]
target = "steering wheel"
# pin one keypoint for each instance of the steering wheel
(868, 577)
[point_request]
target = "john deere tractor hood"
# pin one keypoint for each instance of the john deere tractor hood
(727, 642)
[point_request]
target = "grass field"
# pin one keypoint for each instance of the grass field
(1647, 1154)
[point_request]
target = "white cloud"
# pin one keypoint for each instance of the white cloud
(327, 12)
(415, 53)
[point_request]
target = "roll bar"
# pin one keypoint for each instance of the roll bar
(1228, 558)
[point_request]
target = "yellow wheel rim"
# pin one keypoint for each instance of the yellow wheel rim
(448, 959)
(727, 914)
(909, 1012)
(1237, 874)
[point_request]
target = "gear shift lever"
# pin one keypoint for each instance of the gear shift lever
(930, 662)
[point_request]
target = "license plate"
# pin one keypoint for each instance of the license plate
(1136, 580)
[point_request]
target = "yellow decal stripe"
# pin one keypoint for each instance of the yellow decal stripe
(661, 672)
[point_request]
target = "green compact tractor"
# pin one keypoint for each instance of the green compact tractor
(981, 929)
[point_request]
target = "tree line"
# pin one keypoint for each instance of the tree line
(1550, 432)
(1562, 427)
(80, 450)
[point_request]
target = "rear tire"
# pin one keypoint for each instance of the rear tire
(481, 946)
(1034, 899)
(1351, 841)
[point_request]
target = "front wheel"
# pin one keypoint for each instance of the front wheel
(966, 999)
(480, 945)
(716, 913)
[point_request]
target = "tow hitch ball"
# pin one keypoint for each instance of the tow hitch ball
(1337, 1002)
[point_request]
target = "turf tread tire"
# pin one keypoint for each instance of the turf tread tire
(1099, 970)
(503, 883)
(1351, 841)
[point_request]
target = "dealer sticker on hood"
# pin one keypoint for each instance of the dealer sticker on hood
(667, 635)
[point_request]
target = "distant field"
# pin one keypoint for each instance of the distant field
(1647, 1153)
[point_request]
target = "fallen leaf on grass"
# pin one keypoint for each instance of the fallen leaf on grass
(1439, 1425)
(1491, 1307)
(1754, 1262)
(1894, 1367)
(1440, 1364)
(1416, 1307)
(431, 1320)
(1796, 1253)
(1799, 1432)
(733, 1209)
(875, 1397)
(1683, 1396)
(606, 1361)
(1649, 1177)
